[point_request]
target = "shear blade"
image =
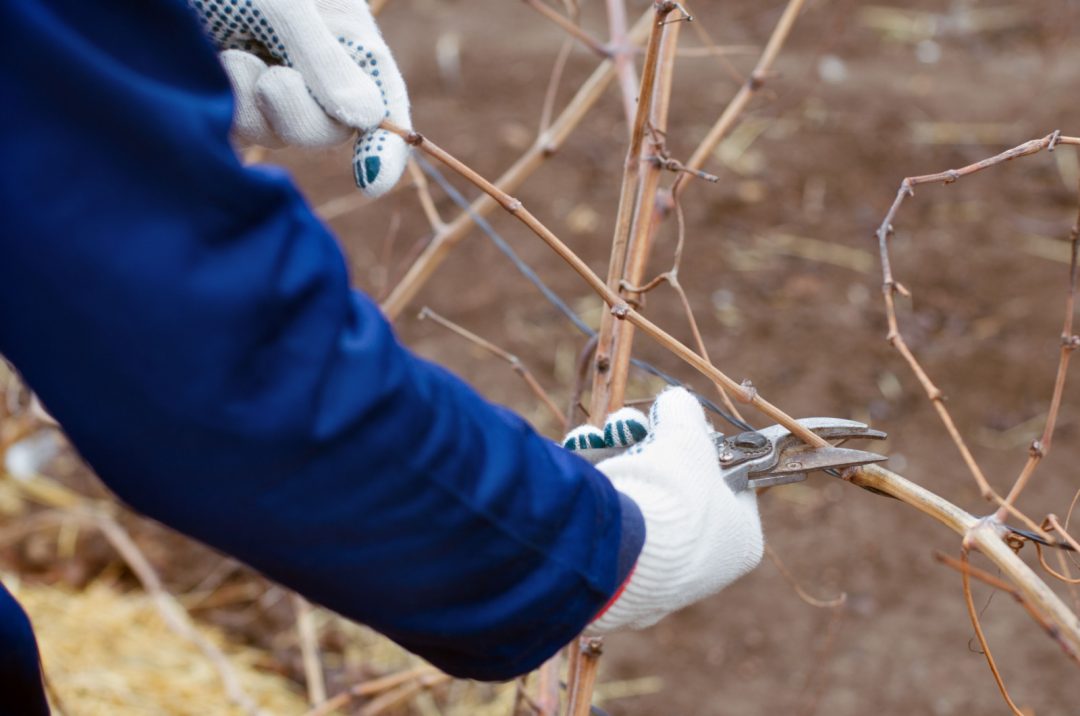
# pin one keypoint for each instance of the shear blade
(772, 480)
(828, 428)
(811, 459)
(844, 433)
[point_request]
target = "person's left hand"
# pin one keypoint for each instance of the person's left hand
(311, 73)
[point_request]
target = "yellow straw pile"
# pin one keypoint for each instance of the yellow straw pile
(111, 654)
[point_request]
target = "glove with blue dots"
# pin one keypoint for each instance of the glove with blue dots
(312, 73)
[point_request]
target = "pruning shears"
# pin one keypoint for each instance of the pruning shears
(773, 456)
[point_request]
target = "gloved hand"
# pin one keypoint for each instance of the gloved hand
(310, 73)
(699, 535)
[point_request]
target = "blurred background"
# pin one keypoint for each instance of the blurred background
(782, 271)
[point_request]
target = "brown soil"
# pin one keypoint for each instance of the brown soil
(850, 111)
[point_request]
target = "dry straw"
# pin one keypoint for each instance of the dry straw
(108, 653)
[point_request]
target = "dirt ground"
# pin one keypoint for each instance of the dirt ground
(782, 271)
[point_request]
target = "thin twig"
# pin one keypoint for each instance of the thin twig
(936, 396)
(794, 584)
(720, 129)
(744, 393)
(623, 58)
(612, 385)
(351, 201)
(515, 362)
(423, 193)
(674, 165)
(545, 146)
(370, 688)
(560, 305)
(1069, 513)
(31, 523)
(716, 50)
(552, 92)
(742, 98)
(1063, 563)
(1069, 343)
(630, 248)
(1063, 530)
(590, 649)
(521, 695)
(968, 569)
(309, 650)
(890, 287)
(406, 691)
(381, 279)
(1058, 575)
(569, 27)
(547, 688)
(13, 432)
(606, 393)
(581, 378)
(965, 574)
(1064, 560)
(208, 585)
(573, 11)
(573, 671)
(671, 277)
(1052, 524)
(713, 49)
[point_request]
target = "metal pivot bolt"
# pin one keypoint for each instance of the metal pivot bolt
(751, 440)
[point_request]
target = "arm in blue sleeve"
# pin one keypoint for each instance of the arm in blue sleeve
(190, 323)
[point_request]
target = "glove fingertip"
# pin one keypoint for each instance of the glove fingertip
(625, 427)
(379, 161)
(676, 408)
(583, 437)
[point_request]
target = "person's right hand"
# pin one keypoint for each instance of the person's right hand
(699, 535)
(312, 73)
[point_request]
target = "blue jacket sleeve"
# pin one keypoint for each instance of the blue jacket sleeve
(190, 323)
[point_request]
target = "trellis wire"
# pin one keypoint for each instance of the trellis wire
(553, 298)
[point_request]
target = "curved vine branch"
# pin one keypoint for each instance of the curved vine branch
(984, 534)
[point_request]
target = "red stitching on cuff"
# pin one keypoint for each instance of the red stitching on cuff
(616, 595)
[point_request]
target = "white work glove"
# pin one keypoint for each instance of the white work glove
(699, 535)
(311, 73)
